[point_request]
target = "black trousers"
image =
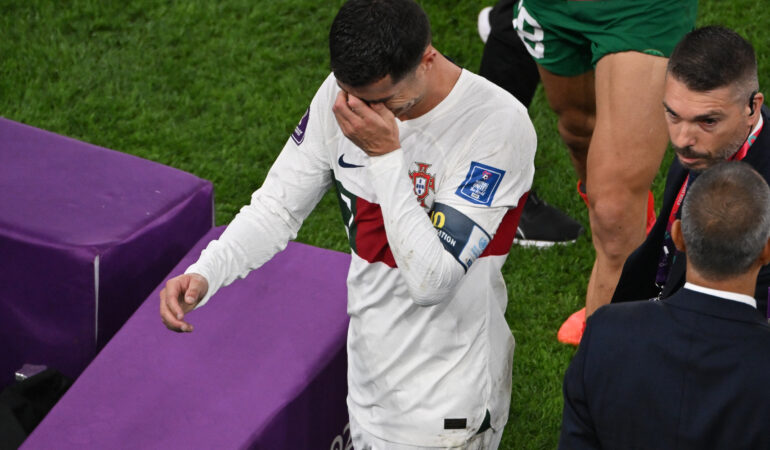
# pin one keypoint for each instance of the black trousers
(506, 62)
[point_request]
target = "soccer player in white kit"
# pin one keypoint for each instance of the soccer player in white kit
(431, 173)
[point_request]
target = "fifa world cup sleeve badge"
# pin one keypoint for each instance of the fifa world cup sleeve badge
(480, 184)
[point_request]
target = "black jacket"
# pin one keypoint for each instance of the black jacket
(637, 281)
(687, 372)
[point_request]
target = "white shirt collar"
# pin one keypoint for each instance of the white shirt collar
(742, 298)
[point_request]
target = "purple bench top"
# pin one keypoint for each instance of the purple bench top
(264, 368)
(85, 234)
(68, 193)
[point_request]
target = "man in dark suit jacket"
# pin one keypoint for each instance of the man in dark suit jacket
(690, 371)
(714, 113)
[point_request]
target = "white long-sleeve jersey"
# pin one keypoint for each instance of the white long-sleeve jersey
(430, 226)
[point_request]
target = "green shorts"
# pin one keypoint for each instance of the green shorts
(568, 37)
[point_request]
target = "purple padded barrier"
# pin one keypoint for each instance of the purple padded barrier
(265, 368)
(86, 233)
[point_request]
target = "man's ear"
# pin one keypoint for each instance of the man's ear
(676, 236)
(429, 57)
(757, 100)
(764, 255)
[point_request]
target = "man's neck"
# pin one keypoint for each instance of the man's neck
(741, 284)
(443, 77)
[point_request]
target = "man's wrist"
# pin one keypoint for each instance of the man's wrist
(376, 153)
(386, 161)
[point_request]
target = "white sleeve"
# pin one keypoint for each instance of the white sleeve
(430, 272)
(294, 185)
(422, 252)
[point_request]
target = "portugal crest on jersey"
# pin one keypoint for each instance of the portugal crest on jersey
(423, 182)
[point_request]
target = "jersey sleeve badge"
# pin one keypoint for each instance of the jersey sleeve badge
(299, 132)
(480, 184)
(422, 181)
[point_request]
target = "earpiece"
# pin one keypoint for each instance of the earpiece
(751, 103)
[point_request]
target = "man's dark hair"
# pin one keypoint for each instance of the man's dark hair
(726, 220)
(370, 39)
(714, 57)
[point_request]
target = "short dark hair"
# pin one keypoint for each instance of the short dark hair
(726, 220)
(370, 39)
(713, 57)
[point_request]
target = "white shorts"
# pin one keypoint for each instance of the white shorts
(488, 440)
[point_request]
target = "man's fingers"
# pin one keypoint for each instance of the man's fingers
(341, 108)
(170, 296)
(191, 298)
(192, 295)
(383, 112)
(373, 131)
(342, 113)
(367, 112)
(370, 114)
(172, 323)
(168, 318)
(179, 296)
(342, 99)
(196, 289)
(356, 105)
(352, 109)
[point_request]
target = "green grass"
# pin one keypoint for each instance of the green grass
(215, 88)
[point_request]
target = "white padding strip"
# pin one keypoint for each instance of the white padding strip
(96, 299)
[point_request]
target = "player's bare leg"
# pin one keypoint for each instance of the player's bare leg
(616, 149)
(573, 100)
(625, 153)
